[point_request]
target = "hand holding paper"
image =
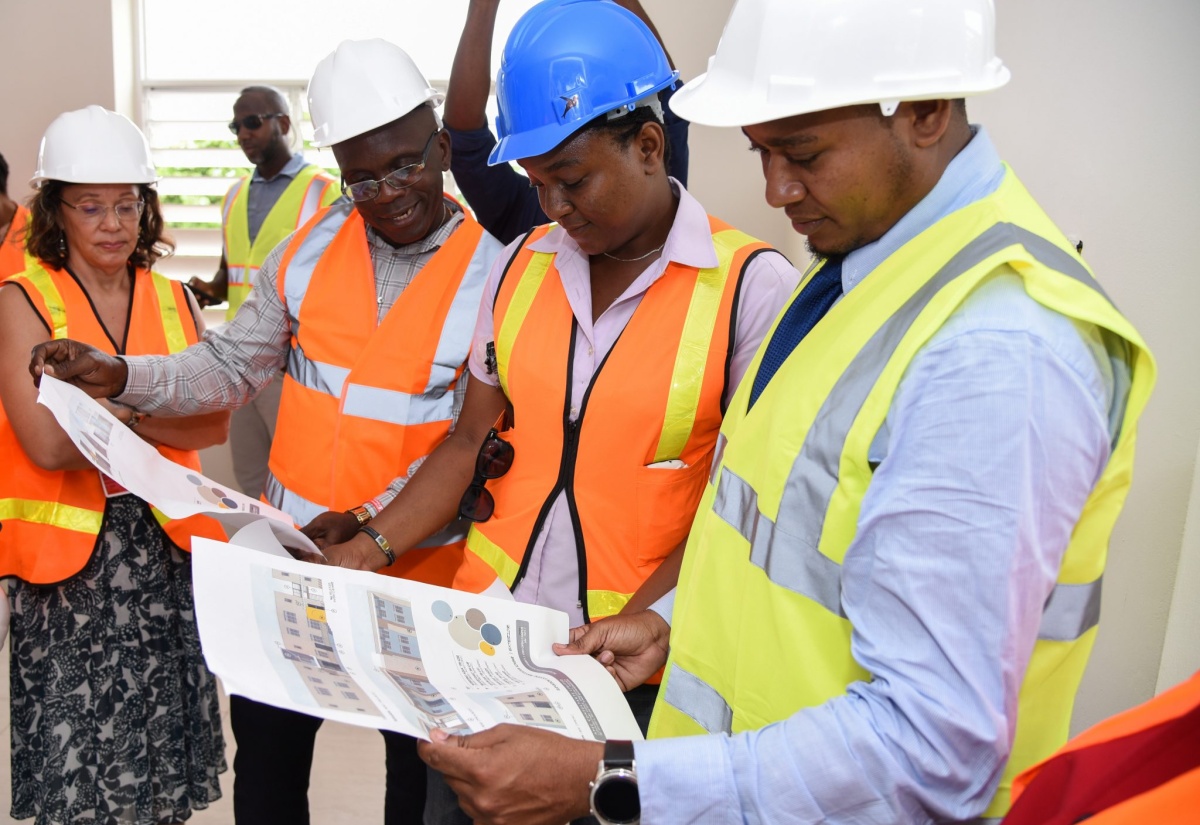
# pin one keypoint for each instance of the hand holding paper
(177, 491)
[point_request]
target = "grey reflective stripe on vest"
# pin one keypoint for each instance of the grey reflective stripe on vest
(316, 375)
(1071, 611)
(230, 197)
(237, 275)
(787, 549)
(303, 511)
(395, 407)
(436, 402)
(311, 202)
(298, 507)
(304, 262)
(795, 563)
(718, 456)
(694, 697)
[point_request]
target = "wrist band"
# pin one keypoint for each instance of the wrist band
(380, 542)
(361, 513)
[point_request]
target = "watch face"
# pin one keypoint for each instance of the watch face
(615, 799)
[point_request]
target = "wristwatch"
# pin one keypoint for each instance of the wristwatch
(361, 514)
(614, 790)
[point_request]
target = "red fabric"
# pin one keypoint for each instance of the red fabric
(1122, 758)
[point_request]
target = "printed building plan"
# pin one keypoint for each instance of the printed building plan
(389, 653)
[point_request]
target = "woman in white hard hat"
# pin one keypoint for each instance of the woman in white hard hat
(114, 714)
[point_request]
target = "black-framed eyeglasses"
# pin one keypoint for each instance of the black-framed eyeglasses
(91, 212)
(252, 122)
(398, 179)
(494, 460)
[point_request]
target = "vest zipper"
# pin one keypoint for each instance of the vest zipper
(566, 474)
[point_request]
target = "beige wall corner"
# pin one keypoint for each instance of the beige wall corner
(1181, 647)
(60, 54)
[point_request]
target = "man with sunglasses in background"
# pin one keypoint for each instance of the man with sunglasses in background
(371, 306)
(259, 211)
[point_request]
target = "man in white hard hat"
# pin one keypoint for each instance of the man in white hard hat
(261, 209)
(371, 306)
(892, 584)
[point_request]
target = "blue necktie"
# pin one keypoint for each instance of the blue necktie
(810, 306)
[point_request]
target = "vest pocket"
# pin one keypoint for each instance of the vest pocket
(666, 504)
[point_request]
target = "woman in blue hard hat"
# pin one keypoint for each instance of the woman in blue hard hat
(614, 337)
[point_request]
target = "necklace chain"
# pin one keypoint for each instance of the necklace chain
(658, 248)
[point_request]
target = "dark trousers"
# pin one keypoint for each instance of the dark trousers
(443, 802)
(274, 758)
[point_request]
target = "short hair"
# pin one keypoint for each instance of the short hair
(624, 128)
(277, 98)
(47, 238)
(3, 176)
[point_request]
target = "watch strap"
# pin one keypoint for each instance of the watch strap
(618, 753)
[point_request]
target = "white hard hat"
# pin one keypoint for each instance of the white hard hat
(93, 145)
(363, 85)
(779, 58)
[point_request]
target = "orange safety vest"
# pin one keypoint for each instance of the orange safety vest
(12, 245)
(656, 398)
(52, 517)
(1138, 767)
(363, 400)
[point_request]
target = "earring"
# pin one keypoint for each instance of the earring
(62, 244)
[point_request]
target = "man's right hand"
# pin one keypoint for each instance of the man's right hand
(98, 374)
(632, 646)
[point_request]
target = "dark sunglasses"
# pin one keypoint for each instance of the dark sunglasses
(494, 460)
(252, 122)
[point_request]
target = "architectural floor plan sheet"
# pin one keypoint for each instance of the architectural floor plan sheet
(126, 460)
(389, 653)
(342, 644)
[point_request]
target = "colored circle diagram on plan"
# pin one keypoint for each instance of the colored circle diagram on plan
(212, 495)
(470, 630)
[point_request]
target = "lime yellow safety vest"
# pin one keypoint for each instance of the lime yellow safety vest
(310, 190)
(781, 507)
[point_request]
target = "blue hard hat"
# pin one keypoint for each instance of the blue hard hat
(568, 62)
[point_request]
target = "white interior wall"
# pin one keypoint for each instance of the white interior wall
(1097, 122)
(59, 55)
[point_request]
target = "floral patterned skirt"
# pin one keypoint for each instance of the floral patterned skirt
(114, 713)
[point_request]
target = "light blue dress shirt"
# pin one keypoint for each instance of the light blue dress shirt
(997, 433)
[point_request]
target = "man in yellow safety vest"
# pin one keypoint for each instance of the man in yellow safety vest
(891, 587)
(259, 211)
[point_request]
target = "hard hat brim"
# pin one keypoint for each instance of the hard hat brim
(534, 142)
(707, 101)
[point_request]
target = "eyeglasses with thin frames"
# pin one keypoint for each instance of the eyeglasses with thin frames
(401, 178)
(126, 212)
(494, 460)
(252, 122)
